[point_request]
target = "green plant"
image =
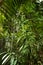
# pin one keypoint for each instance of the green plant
(22, 32)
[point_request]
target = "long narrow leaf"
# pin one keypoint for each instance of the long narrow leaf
(6, 59)
(4, 56)
(15, 62)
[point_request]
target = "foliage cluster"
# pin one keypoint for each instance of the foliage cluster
(21, 32)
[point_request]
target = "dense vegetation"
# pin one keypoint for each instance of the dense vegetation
(21, 32)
